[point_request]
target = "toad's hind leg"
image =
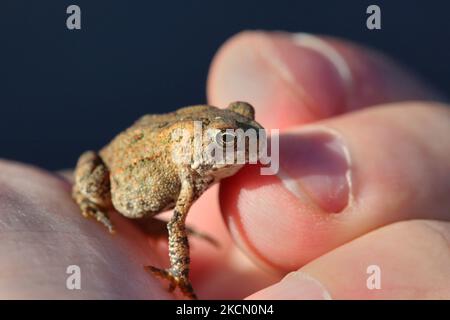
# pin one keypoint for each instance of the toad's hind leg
(178, 273)
(91, 189)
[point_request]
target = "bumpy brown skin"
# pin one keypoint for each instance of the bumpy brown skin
(137, 175)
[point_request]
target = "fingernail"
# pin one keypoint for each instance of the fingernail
(315, 43)
(369, 76)
(279, 70)
(295, 286)
(315, 167)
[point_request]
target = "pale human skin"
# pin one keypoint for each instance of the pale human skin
(396, 218)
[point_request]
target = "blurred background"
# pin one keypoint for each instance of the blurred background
(63, 92)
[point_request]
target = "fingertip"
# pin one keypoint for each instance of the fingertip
(298, 78)
(272, 73)
(269, 223)
(295, 286)
(370, 267)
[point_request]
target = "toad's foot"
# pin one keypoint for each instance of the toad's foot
(89, 209)
(92, 210)
(182, 283)
(100, 217)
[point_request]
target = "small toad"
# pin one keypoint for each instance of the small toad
(141, 173)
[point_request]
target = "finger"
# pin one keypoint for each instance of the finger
(294, 79)
(42, 233)
(341, 178)
(405, 260)
(215, 271)
(298, 78)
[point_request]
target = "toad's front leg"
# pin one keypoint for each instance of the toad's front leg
(178, 273)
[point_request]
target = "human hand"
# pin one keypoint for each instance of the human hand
(357, 186)
(399, 171)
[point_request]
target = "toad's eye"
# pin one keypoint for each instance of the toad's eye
(225, 138)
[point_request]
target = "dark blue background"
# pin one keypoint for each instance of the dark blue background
(62, 92)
